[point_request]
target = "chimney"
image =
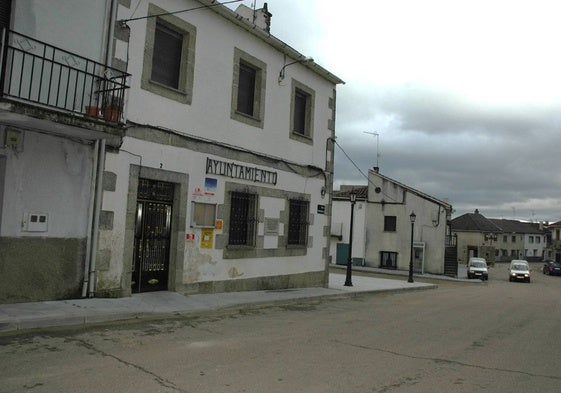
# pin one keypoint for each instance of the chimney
(476, 211)
(260, 17)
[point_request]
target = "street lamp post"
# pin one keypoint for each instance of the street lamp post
(412, 217)
(348, 278)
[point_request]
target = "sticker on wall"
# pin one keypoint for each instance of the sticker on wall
(197, 193)
(207, 236)
(210, 186)
(219, 224)
(190, 237)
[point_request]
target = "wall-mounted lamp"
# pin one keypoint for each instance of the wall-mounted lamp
(302, 61)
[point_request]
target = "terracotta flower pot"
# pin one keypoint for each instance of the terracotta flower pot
(92, 111)
(111, 115)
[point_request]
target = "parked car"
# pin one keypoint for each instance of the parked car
(551, 267)
(477, 268)
(519, 270)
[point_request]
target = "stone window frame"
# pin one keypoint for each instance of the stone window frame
(258, 250)
(258, 118)
(184, 94)
(308, 135)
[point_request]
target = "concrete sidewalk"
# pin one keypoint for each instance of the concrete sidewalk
(80, 312)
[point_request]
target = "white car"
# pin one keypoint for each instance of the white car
(477, 268)
(519, 270)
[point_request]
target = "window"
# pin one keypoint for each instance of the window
(388, 259)
(243, 219)
(390, 224)
(302, 109)
(248, 89)
(531, 239)
(505, 238)
(538, 239)
(203, 215)
(298, 222)
(514, 238)
(166, 60)
(169, 56)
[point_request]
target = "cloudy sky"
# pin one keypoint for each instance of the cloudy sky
(465, 95)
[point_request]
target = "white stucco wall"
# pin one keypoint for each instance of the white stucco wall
(209, 114)
(215, 268)
(341, 218)
(46, 175)
(74, 25)
(429, 227)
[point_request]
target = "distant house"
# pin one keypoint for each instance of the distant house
(383, 227)
(497, 240)
(553, 250)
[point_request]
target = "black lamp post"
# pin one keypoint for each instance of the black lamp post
(348, 279)
(412, 217)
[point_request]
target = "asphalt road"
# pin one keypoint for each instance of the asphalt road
(494, 336)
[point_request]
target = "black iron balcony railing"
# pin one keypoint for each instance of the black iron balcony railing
(42, 74)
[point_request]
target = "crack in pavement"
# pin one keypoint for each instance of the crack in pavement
(447, 361)
(161, 380)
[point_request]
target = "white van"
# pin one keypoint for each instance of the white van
(477, 268)
(519, 270)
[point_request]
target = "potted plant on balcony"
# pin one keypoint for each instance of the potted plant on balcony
(92, 110)
(112, 107)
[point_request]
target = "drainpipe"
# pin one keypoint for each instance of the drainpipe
(97, 211)
(90, 220)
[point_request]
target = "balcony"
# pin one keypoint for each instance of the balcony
(43, 75)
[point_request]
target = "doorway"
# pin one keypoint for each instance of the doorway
(150, 269)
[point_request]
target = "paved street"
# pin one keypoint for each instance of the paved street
(462, 337)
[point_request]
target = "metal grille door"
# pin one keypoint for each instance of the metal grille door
(152, 236)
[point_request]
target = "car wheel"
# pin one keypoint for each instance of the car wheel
(528, 280)
(510, 279)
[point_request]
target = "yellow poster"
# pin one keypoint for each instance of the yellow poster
(207, 237)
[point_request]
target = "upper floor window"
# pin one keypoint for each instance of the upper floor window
(505, 238)
(390, 223)
(302, 109)
(248, 89)
(169, 56)
(514, 238)
(298, 222)
(531, 239)
(538, 239)
(166, 60)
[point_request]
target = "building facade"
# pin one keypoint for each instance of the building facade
(385, 234)
(218, 177)
(498, 240)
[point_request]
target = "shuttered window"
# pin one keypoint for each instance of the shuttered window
(300, 119)
(166, 61)
(246, 89)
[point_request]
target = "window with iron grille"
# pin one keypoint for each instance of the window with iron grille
(298, 222)
(243, 219)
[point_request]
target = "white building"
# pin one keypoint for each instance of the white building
(218, 177)
(383, 239)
